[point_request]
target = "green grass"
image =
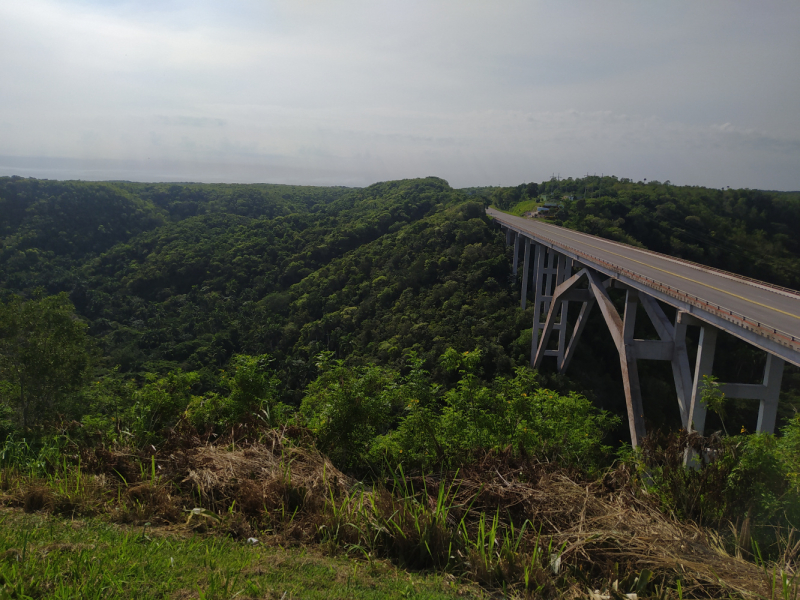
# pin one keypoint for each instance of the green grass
(522, 207)
(50, 557)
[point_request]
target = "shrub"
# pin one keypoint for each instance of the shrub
(43, 356)
(446, 430)
(415, 441)
(749, 480)
(159, 403)
(789, 452)
(252, 388)
(347, 407)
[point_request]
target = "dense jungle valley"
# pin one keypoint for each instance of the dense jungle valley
(336, 379)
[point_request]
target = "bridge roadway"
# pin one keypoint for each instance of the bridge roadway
(764, 315)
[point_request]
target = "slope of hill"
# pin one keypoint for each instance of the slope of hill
(186, 275)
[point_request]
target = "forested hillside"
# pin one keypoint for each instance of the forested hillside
(243, 353)
(187, 275)
(203, 272)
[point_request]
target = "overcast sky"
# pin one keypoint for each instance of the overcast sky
(350, 92)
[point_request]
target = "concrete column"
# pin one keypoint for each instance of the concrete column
(681, 373)
(703, 366)
(564, 273)
(525, 269)
(549, 279)
(679, 358)
(630, 371)
(768, 409)
(515, 262)
(564, 292)
(538, 282)
(583, 317)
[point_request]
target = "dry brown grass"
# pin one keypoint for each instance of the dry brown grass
(607, 529)
(601, 529)
(286, 493)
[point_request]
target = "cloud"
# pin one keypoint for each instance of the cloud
(360, 91)
(183, 121)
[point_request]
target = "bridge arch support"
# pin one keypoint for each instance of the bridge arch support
(549, 269)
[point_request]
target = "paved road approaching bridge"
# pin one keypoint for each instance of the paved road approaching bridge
(764, 315)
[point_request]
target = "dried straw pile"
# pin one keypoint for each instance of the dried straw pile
(607, 528)
(600, 528)
(259, 477)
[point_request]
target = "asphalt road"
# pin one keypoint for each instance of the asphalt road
(772, 308)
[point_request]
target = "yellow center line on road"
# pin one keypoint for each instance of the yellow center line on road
(788, 314)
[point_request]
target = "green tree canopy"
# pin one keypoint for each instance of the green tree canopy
(43, 355)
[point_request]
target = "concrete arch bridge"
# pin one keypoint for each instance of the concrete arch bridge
(560, 266)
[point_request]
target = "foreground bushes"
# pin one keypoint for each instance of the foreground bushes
(380, 425)
(372, 416)
(364, 418)
(749, 483)
(369, 419)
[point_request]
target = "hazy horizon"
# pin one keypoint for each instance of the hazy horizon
(351, 93)
(56, 172)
